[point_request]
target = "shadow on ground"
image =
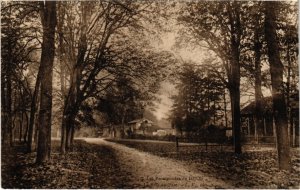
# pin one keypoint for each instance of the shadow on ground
(87, 166)
(252, 169)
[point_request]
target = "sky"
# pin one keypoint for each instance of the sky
(167, 89)
(163, 107)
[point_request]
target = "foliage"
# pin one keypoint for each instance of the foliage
(197, 101)
(19, 45)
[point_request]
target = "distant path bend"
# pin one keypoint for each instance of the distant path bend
(150, 171)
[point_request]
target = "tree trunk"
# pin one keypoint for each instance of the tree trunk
(294, 132)
(36, 130)
(70, 129)
(33, 108)
(63, 135)
(67, 138)
(7, 136)
(234, 74)
(235, 98)
(235, 111)
(3, 106)
(72, 137)
(276, 70)
(67, 126)
(21, 127)
(47, 58)
(7, 133)
(26, 128)
(123, 122)
(61, 13)
(225, 109)
(73, 99)
(288, 90)
(258, 92)
(9, 109)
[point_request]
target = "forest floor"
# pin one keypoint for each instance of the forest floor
(96, 163)
(87, 166)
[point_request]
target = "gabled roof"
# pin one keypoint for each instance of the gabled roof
(266, 106)
(140, 121)
(267, 103)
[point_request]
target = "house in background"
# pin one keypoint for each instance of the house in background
(147, 127)
(141, 126)
(249, 128)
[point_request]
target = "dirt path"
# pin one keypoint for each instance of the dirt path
(150, 171)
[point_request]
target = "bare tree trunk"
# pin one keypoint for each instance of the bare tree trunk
(33, 108)
(26, 128)
(276, 70)
(66, 141)
(123, 122)
(258, 93)
(288, 103)
(225, 109)
(68, 138)
(73, 99)
(235, 111)
(7, 137)
(7, 140)
(70, 109)
(63, 136)
(61, 51)
(9, 107)
(234, 74)
(48, 50)
(69, 135)
(3, 106)
(72, 138)
(22, 112)
(235, 99)
(21, 127)
(36, 129)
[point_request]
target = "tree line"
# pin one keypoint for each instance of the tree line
(60, 60)
(98, 52)
(241, 38)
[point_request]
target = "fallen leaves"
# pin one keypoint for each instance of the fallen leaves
(88, 166)
(98, 166)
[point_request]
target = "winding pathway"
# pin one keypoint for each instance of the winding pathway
(150, 171)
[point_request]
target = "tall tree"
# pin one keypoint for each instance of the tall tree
(6, 77)
(105, 22)
(219, 27)
(276, 70)
(251, 59)
(91, 51)
(48, 18)
(257, 47)
(288, 42)
(196, 103)
(18, 46)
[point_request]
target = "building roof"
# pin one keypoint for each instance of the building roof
(267, 103)
(140, 121)
(250, 108)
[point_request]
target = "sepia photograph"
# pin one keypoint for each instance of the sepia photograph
(150, 94)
